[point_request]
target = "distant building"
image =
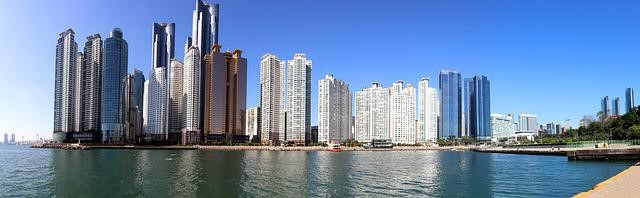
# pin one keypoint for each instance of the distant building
(478, 109)
(528, 123)
(428, 112)
(559, 129)
(334, 110)
(550, 129)
(629, 102)
(402, 113)
(6, 138)
(253, 124)
(451, 115)
(314, 134)
(371, 113)
(586, 120)
(615, 105)
(13, 139)
(502, 126)
(605, 109)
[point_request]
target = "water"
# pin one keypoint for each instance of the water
(29, 172)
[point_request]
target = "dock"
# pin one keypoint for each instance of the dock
(628, 153)
(624, 184)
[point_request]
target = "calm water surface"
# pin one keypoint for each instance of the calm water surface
(26, 172)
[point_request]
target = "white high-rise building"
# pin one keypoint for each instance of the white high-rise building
(191, 91)
(157, 107)
(372, 113)
(253, 123)
(334, 110)
(65, 87)
(428, 112)
(272, 99)
(298, 122)
(145, 107)
(175, 96)
(92, 86)
(502, 126)
(402, 113)
(528, 123)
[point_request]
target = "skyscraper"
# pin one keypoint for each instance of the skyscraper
(225, 90)
(272, 99)
(162, 52)
(114, 85)
(629, 102)
(145, 109)
(478, 112)
(615, 104)
(6, 138)
(606, 110)
(372, 113)
(191, 96)
(334, 110)
(451, 122)
(65, 86)
(402, 113)
(253, 124)
(175, 97)
(528, 123)
(131, 110)
(92, 87)
(428, 112)
(298, 106)
(139, 86)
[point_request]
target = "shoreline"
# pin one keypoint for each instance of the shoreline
(623, 184)
(240, 148)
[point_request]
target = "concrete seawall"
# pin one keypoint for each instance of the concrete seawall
(605, 154)
(624, 184)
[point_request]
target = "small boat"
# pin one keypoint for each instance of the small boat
(335, 148)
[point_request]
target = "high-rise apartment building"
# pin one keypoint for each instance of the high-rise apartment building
(253, 124)
(175, 97)
(615, 104)
(428, 112)
(298, 113)
(191, 97)
(334, 110)
(528, 123)
(451, 122)
(478, 110)
(145, 108)
(272, 99)
(139, 91)
(65, 86)
(629, 102)
(114, 79)
(502, 126)
(372, 113)
(225, 100)
(92, 86)
(402, 113)
(162, 52)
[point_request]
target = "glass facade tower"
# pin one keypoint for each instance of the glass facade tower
(113, 85)
(478, 109)
(451, 105)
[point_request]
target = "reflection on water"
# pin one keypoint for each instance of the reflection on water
(162, 173)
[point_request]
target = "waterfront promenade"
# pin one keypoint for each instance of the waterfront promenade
(624, 184)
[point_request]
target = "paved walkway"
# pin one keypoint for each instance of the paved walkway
(624, 184)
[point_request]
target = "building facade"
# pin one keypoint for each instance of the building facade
(253, 124)
(502, 126)
(451, 122)
(139, 92)
(372, 113)
(113, 87)
(175, 97)
(334, 110)
(191, 97)
(298, 113)
(615, 107)
(629, 102)
(428, 112)
(272, 99)
(478, 112)
(162, 52)
(605, 108)
(402, 113)
(528, 123)
(92, 86)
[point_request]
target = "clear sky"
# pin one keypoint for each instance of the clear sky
(556, 59)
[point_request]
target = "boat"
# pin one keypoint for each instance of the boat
(335, 148)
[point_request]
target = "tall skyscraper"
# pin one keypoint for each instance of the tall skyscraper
(145, 109)
(502, 126)
(139, 92)
(92, 87)
(65, 86)
(451, 122)
(131, 110)
(298, 121)
(191, 96)
(478, 112)
(615, 104)
(162, 52)
(253, 124)
(334, 110)
(225, 90)
(204, 32)
(114, 85)
(528, 123)
(79, 92)
(402, 113)
(606, 110)
(272, 99)
(428, 112)
(629, 102)
(6, 138)
(372, 113)
(176, 96)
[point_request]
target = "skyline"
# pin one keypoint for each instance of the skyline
(510, 94)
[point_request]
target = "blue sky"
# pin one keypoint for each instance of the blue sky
(551, 58)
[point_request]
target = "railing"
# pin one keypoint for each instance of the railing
(603, 143)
